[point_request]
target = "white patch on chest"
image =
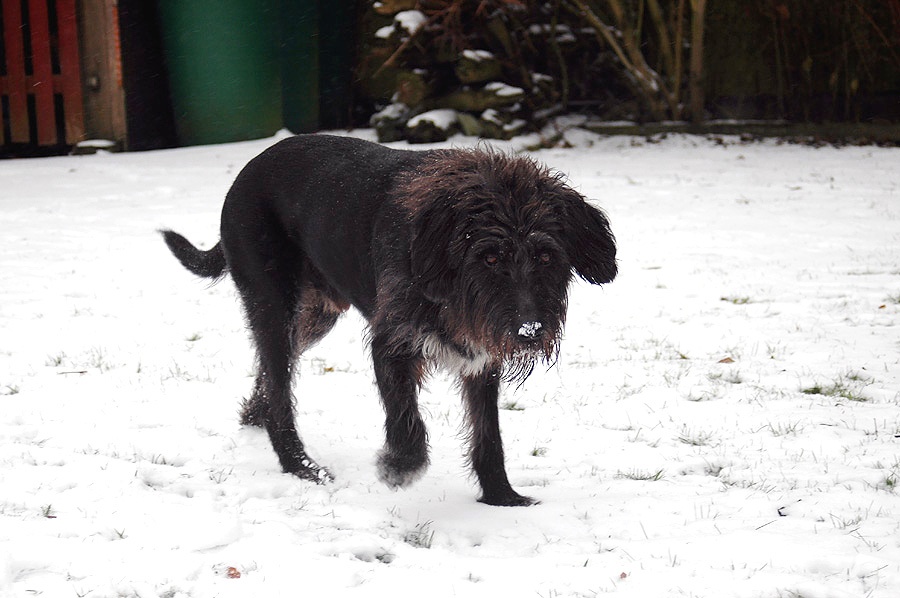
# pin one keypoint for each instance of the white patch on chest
(451, 359)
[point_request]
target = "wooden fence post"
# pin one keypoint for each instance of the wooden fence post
(101, 62)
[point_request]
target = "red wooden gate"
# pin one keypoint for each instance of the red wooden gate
(40, 78)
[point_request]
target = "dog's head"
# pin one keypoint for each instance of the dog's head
(495, 239)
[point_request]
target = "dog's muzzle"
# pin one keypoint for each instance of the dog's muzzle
(530, 331)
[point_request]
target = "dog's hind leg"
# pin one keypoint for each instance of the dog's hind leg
(480, 394)
(267, 278)
(398, 373)
(315, 316)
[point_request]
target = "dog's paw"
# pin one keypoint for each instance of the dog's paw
(399, 471)
(313, 472)
(508, 499)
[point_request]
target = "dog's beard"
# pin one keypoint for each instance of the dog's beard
(518, 361)
(513, 359)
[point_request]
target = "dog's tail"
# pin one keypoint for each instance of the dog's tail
(208, 264)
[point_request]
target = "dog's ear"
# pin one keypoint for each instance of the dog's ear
(590, 243)
(432, 232)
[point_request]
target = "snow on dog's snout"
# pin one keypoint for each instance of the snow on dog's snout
(530, 329)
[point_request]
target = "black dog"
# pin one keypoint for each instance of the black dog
(457, 258)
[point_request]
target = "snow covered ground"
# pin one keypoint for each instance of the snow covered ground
(724, 420)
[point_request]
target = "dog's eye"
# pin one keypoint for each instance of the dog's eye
(544, 258)
(491, 259)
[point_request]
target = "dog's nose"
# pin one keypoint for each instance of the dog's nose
(530, 330)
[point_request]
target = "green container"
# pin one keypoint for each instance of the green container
(224, 68)
(338, 26)
(300, 64)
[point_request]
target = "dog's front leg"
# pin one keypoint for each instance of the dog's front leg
(398, 374)
(480, 393)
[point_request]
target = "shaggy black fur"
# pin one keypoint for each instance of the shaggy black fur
(457, 258)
